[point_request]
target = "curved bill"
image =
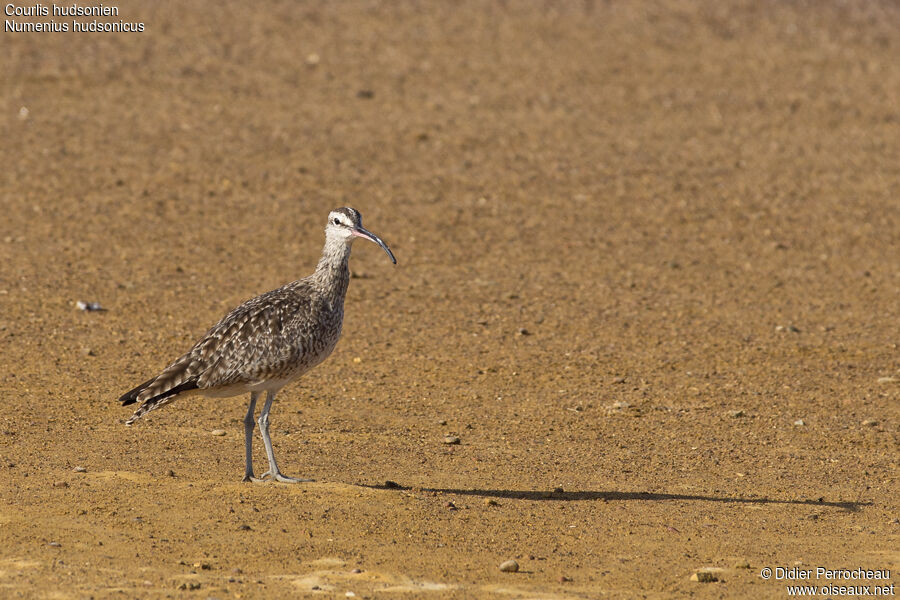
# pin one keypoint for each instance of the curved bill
(368, 235)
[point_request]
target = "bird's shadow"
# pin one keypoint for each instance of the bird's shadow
(611, 496)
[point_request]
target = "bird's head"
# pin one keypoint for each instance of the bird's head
(345, 224)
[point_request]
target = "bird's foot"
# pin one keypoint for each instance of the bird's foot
(268, 476)
(285, 479)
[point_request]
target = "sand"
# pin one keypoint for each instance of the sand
(639, 244)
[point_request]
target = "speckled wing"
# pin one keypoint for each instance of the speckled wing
(260, 339)
(256, 341)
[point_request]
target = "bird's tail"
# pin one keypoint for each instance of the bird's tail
(159, 391)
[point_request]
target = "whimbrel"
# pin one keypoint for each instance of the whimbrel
(266, 342)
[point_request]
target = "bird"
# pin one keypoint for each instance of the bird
(266, 343)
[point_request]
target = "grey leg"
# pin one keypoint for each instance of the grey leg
(264, 430)
(249, 424)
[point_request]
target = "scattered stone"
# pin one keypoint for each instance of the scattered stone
(392, 485)
(736, 414)
(491, 502)
(313, 59)
(869, 423)
(80, 470)
(799, 423)
(357, 360)
(617, 407)
(54, 544)
(23, 113)
(356, 571)
(245, 528)
(742, 564)
(451, 440)
(193, 585)
(705, 575)
(558, 490)
(202, 566)
(565, 579)
(217, 432)
(61, 484)
(509, 566)
(450, 506)
(365, 94)
(442, 422)
(887, 379)
(89, 306)
(523, 331)
(170, 473)
(619, 380)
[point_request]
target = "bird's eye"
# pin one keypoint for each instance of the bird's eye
(336, 222)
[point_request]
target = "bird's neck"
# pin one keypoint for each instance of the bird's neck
(333, 272)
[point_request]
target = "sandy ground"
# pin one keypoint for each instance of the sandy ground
(648, 275)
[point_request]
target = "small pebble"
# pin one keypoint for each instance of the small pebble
(523, 331)
(23, 113)
(356, 571)
(451, 440)
(80, 470)
(170, 473)
(194, 585)
(442, 422)
(313, 59)
(704, 576)
(245, 528)
(742, 564)
(509, 566)
(392, 485)
(869, 423)
(217, 432)
(88, 306)
(54, 544)
(491, 502)
(887, 379)
(799, 422)
(565, 579)
(735, 414)
(365, 94)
